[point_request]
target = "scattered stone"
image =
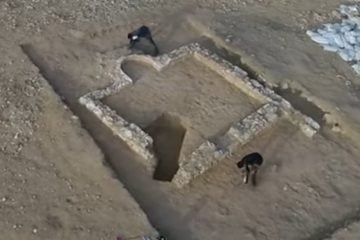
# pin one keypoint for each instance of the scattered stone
(336, 127)
(342, 38)
(274, 168)
(75, 118)
(284, 85)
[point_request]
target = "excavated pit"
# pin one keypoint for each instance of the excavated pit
(168, 134)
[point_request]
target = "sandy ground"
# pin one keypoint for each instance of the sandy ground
(54, 180)
(209, 105)
(348, 232)
(59, 188)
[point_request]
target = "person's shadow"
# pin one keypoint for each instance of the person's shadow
(143, 46)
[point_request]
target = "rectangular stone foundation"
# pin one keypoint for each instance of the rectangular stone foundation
(208, 153)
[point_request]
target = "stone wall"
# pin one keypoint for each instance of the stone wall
(208, 153)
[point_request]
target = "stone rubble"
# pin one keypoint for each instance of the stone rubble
(342, 38)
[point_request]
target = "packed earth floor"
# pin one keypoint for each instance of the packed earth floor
(64, 175)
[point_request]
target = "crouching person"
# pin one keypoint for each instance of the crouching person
(250, 163)
(142, 32)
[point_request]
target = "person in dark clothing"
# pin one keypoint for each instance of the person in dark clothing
(142, 32)
(251, 162)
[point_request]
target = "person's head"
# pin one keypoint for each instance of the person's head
(240, 164)
(130, 35)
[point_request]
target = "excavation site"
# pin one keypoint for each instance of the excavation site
(133, 128)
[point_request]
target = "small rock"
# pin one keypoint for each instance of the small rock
(35, 230)
(274, 168)
(228, 38)
(284, 85)
(308, 130)
(336, 127)
(74, 117)
(336, 14)
(317, 17)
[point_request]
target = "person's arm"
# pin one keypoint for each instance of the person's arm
(132, 43)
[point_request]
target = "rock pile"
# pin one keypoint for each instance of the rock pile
(342, 38)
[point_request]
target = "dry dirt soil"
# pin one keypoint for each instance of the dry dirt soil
(65, 176)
